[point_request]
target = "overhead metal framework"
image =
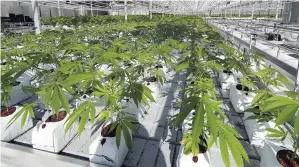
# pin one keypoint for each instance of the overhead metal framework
(209, 7)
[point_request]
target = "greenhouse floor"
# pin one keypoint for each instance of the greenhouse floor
(155, 145)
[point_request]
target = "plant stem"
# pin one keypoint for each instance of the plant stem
(295, 151)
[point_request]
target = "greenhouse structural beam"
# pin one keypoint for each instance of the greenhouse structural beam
(36, 11)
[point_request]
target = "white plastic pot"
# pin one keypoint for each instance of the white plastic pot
(104, 151)
(239, 100)
(17, 94)
(183, 160)
(52, 137)
(268, 158)
(14, 130)
(226, 80)
(132, 110)
(256, 130)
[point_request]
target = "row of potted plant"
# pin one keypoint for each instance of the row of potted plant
(112, 77)
(253, 94)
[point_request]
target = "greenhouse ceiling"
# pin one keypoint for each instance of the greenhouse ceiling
(158, 6)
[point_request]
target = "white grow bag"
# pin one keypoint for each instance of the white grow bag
(52, 138)
(14, 130)
(256, 130)
(268, 158)
(107, 153)
(226, 80)
(17, 94)
(239, 100)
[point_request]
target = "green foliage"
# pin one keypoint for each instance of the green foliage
(109, 57)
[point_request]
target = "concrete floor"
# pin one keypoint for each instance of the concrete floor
(156, 144)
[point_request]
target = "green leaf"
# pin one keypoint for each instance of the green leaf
(55, 100)
(182, 66)
(278, 104)
(286, 114)
(212, 121)
(63, 99)
(92, 113)
(211, 142)
(48, 96)
(118, 135)
(83, 121)
(197, 127)
(296, 125)
(104, 115)
(127, 136)
(73, 79)
(257, 98)
(24, 118)
(130, 126)
(224, 150)
(148, 93)
(75, 115)
(234, 149)
(191, 103)
(15, 117)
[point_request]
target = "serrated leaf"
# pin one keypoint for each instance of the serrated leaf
(24, 118)
(92, 113)
(63, 99)
(130, 126)
(182, 66)
(118, 135)
(75, 115)
(83, 120)
(234, 150)
(197, 127)
(278, 104)
(286, 114)
(257, 98)
(15, 117)
(55, 100)
(224, 150)
(74, 79)
(296, 125)
(191, 103)
(212, 121)
(127, 137)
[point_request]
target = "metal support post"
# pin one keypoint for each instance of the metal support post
(151, 9)
(58, 5)
(36, 15)
(91, 13)
(277, 10)
(126, 14)
(253, 6)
